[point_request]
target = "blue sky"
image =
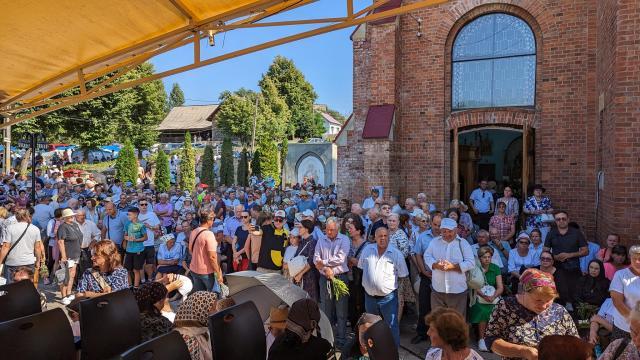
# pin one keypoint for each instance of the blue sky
(325, 60)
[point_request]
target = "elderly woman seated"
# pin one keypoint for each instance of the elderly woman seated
(170, 257)
(151, 297)
(519, 322)
(624, 348)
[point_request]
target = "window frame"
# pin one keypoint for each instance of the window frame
(492, 59)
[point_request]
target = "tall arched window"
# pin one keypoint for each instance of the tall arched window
(494, 63)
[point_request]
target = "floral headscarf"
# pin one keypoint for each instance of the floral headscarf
(534, 278)
(194, 311)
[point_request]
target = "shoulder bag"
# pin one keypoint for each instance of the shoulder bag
(11, 248)
(475, 276)
(297, 263)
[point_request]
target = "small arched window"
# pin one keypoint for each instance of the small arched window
(494, 63)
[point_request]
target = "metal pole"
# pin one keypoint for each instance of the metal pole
(255, 120)
(7, 147)
(34, 143)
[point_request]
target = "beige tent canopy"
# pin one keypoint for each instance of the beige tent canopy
(50, 46)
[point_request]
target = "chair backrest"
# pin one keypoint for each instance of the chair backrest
(238, 333)
(110, 325)
(45, 335)
(379, 341)
(19, 299)
(169, 346)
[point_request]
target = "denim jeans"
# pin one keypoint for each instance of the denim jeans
(335, 310)
(387, 307)
(204, 282)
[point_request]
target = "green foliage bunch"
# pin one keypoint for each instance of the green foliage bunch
(187, 165)
(226, 163)
(126, 164)
(162, 178)
(207, 175)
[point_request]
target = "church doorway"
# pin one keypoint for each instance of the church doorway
(504, 156)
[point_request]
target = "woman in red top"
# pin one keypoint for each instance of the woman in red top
(604, 254)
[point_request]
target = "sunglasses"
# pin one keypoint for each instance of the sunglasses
(245, 216)
(278, 220)
(546, 259)
(562, 219)
(145, 204)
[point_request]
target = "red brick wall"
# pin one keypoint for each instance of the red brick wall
(618, 83)
(569, 35)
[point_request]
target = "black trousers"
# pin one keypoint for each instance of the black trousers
(424, 304)
(566, 281)
(482, 220)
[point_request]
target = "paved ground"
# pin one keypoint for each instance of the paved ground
(407, 350)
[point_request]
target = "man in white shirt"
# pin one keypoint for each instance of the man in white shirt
(152, 223)
(449, 257)
(90, 235)
(482, 204)
(370, 202)
(381, 266)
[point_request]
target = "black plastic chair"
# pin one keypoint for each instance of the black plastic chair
(169, 346)
(237, 333)
(379, 341)
(19, 299)
(110, 325)
(46, 335)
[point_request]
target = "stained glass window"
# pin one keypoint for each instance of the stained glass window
(494, 63)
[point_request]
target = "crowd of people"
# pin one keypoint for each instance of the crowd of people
(519, 274)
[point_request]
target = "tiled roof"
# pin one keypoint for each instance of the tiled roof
(188, 118)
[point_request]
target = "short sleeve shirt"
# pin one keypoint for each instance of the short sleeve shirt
(626, 283)
(570, 242)
(137, 230)
(204, 243)
(23, 253)
(481, 200)
(72, 236)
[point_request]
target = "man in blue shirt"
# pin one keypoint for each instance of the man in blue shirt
(305, 203)
(114, 225)
(482, 204)
(424, 294)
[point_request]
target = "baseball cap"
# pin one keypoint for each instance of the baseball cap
(307, 213)
(280, 213)
(448, 224)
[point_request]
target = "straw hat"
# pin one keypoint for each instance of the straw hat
(67, 213)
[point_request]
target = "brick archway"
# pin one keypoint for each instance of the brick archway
(506, 116)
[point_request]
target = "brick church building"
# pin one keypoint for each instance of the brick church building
(515, 91)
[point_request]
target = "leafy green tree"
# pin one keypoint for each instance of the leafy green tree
(297, 93)
(207, 176)
(236, 114)
(336, 115)
(187, 165)
(255, 163)
(243, 169)
(176, 96)
(130, 113)
(126, 164)
(268, 160)
(162, 178)
(226, 162)
(145, 110)
(284, 150)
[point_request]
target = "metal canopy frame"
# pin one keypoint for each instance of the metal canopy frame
(24, 106)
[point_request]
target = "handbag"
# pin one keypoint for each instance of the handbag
(475, 276)
(297, 263)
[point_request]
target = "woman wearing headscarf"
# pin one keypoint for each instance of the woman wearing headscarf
(298, 341)
(519, 322)
(593, 287)
(192, 322)
(150, 298)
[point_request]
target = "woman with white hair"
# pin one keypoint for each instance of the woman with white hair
(399, 239)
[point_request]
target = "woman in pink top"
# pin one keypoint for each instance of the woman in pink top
(619, 260)
(604, 255)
